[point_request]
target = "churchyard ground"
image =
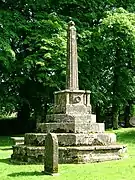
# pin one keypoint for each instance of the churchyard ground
(118, 170)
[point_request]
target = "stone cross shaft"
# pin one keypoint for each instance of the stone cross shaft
(72, 63)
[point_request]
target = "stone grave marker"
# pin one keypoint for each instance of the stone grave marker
(51, 154)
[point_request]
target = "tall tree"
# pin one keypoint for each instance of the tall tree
(112, 52)
(32, 60)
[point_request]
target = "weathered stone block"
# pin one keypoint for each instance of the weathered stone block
(72, 101)
(71, 118)
(17, 140)
(93, 118)
(90, 154)
(72, 139)
(51, 154)
(70, 127)
(83, 154)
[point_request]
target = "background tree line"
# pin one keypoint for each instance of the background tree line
(33, 56)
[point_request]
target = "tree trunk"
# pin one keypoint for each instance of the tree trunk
(115, 100)
(98, 109)
(127, 114)
(44, 112)
(23, 116)
(115, 116)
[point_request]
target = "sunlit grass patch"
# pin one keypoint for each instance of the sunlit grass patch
(118, 170)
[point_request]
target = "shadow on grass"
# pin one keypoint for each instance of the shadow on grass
(126, 136)
(6, 149)
(5, 141)
(6, 161)
(35, 173)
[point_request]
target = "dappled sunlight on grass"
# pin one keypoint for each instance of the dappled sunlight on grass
(119, 170)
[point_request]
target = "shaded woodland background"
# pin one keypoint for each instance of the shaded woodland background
(33, 58)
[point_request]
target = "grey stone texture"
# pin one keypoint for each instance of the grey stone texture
(90, 154)
(72, 64)
(70, 127)
(51, 154)
(71, 118)
(17, 140)
(80, 138)
(72, 102)
(72, 139)
(24, 154)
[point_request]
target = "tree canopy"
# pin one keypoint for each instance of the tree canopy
(33, 54)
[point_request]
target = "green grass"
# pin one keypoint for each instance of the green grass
(111, 170)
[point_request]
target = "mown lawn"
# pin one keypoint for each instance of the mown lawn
(111, 170)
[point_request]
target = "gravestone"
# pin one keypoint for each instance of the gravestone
(51, 154)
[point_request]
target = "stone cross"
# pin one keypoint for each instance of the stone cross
(51, 154)
(72, 63)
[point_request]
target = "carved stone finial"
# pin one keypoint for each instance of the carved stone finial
(71, 23)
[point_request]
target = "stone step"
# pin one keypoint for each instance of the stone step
(71, 118)
(72, 139)
(23, 154)
(17, 140)
(70, 127)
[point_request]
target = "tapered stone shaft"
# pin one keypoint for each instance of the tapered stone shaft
(72, 63)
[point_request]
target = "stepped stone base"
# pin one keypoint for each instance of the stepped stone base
(70, 127)
(70, 123)
(80, 138)
(72, 139)
(71, 118)
(73, 148)
(23, 154)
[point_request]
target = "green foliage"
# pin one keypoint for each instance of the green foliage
(109, 52)
(33, 51)
(32, 55)
(10, 26)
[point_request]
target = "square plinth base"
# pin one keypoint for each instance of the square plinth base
(68, 155)
(90, 154)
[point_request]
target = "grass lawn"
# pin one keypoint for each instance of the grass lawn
(111, 170)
